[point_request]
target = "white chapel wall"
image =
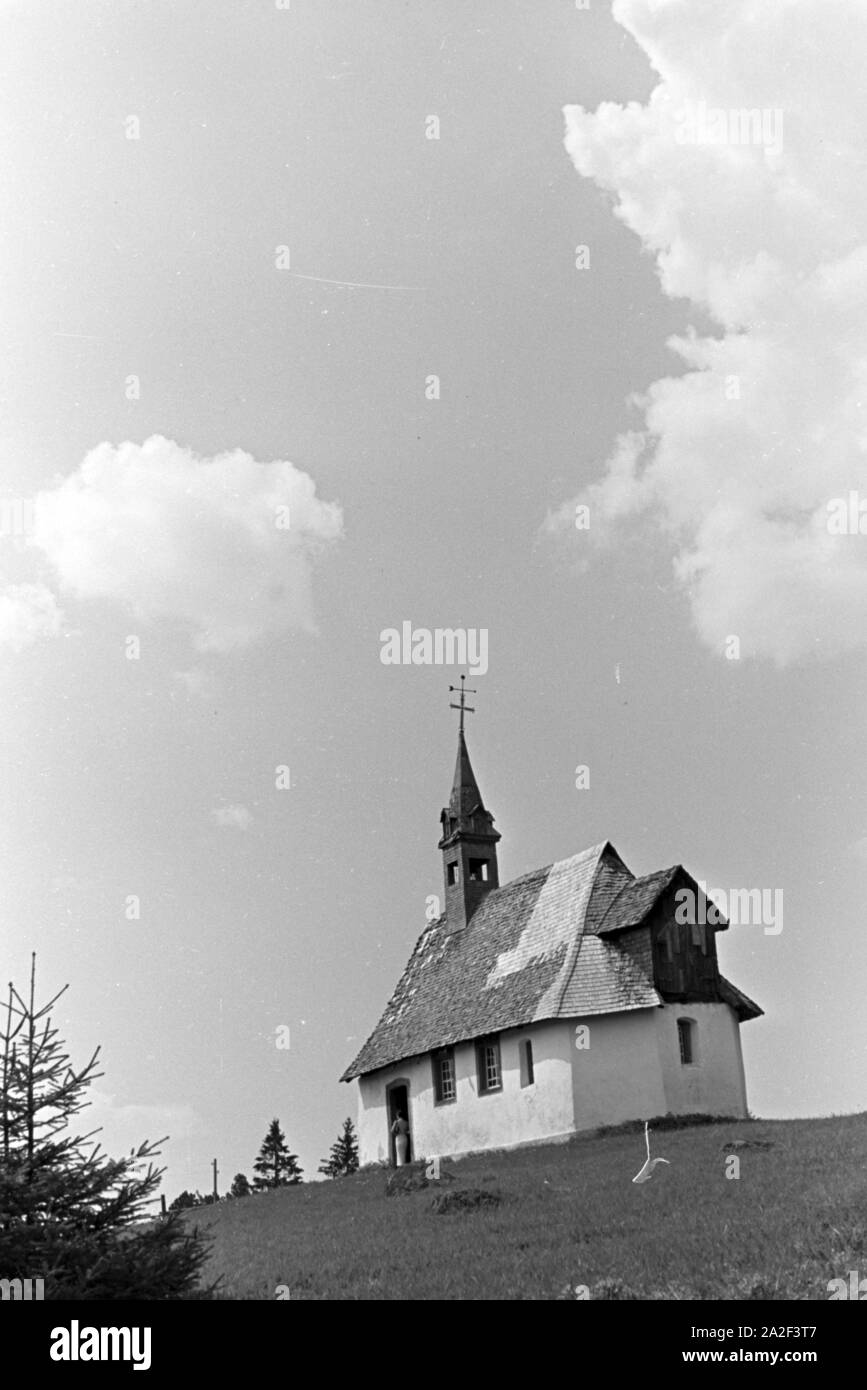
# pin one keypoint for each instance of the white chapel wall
(515, 1115)
(630, 1070)
(714, 1081)
(617, 1077)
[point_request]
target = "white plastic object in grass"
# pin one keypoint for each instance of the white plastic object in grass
(650, 1163)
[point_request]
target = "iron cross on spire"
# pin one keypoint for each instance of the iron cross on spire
(463, 692)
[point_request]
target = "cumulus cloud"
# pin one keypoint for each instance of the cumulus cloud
(126, 1126)
(27, 612)
(740, 457)
(224, 545)
(196, 683)
(238, 817)
(65, 883)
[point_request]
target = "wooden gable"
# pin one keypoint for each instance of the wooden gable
(684, 952)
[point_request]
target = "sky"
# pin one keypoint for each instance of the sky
(324, 318)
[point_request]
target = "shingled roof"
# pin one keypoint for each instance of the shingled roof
(740, 1002)
(561, 942)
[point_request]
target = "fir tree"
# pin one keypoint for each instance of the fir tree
(240, 1186)
(68, 1213)
(275, 1166)
(185, 1200)
(344, 1154)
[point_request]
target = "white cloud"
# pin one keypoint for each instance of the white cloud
(65, 883)
(236, 816)
(739, 458)
(27, 612)
(126, 1126)
(196, 682)
(203, 541)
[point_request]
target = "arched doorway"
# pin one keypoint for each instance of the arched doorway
(397, 1102)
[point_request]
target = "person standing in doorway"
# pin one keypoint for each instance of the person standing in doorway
(400, 1130)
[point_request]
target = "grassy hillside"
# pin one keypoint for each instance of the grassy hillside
(537, 1222)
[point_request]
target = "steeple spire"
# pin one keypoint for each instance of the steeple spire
(465, 797)
(469, 839)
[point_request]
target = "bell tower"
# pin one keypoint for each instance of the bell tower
(469, 840)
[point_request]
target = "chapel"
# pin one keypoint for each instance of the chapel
(573, 997)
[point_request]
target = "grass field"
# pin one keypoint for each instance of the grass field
(564, 1215)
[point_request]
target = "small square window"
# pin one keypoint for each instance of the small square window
(479, 870)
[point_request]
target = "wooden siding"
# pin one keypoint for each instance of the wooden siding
(684, 954)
